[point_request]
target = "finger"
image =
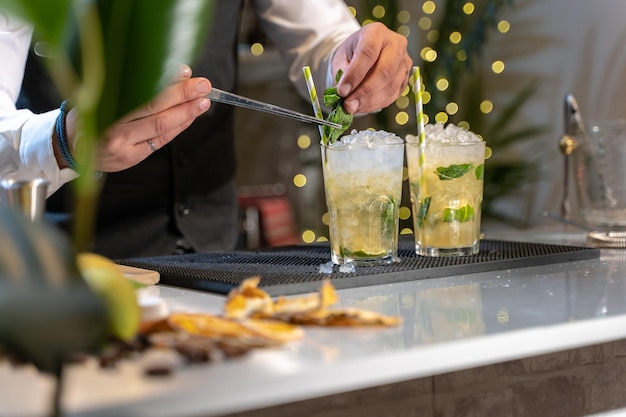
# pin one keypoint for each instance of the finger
(374, 96)
(364, 58)
(184, 72)
(117, 155)
(156, 125)
(162, 140)
(383, 84)
(360, 52)
(178, 93)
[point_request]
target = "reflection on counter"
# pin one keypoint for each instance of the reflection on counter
(462, 307)
(448, 313)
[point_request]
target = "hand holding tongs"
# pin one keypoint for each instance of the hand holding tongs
(236, 100)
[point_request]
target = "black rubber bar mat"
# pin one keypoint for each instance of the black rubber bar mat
(296, 269)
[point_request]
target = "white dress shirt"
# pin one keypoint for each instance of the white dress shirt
(306, 33)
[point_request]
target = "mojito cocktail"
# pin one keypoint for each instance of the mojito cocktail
(363, 185)
(446, 190)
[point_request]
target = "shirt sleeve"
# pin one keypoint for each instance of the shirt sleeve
(25, 138)
(306, 33)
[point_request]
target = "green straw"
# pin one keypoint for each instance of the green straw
(317, 109)
(416, 85)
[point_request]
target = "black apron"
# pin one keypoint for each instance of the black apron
(182, 198)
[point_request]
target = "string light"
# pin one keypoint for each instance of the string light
(468, 8)
(402, 118)
(304, 141)
(308, 236)
(503, 26)
(256, 49)
(378, 12)
(497, 67)
(299, 180)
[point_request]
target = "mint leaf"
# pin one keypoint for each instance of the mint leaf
(423, 211)
(338, 114)
(388, 218)
(480, 171)
(331, 98)
(461, 215)
(453, 171)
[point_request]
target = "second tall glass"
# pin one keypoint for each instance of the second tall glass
(446, 183)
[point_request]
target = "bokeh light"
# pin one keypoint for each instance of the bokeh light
(304, 141)
(463, 124)
(455, 37)
(308, 236)
(404, 31)
(442, 84)
(429, 7)
(432, 36)
(441, 117)
(486, 106)
(402, 102)
(425, 23)
(256, 49)
(497, 67)
(468, 8)
(404, 16)
(503, 26)
(452, 108)
(402, 118)
(378, 12)
(299, 180)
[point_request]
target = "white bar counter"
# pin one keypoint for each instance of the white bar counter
(449, 325)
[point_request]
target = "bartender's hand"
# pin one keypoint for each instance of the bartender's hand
(376, 68)
(127, 142)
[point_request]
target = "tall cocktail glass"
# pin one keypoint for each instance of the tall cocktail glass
(363, 186)
(446, 184)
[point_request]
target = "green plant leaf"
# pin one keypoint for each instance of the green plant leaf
(144, 44)
(47, 312)
(50, 17)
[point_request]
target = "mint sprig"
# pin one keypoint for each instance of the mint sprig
(337, 115)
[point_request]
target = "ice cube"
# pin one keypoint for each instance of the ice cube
(347, 268)
(326, 268)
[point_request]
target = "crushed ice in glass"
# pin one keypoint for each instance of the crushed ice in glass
(369, 138)
(448, 134)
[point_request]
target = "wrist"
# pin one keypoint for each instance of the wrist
(60, 144)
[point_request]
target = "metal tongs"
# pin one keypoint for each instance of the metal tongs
(240, 101)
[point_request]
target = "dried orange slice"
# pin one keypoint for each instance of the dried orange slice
(250, 332)
(275, 330)
(248, 299)
(208, 325)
